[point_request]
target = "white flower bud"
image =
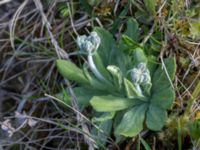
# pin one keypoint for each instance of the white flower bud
(80, 41)
(135, 75)
(89, 43)
(95, 39)
(140, 75)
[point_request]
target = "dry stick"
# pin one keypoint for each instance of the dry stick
(149, 34)
(12, 31)
(13, 22)
(80, 118)
(60, 52)
(4, 2)
(71, 19)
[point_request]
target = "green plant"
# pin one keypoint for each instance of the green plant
(194, 129)
(128, 92)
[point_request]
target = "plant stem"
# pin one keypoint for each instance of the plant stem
(94, 69)
(138, 89)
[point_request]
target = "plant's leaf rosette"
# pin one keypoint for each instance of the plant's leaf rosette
(129, 86)
(150, 113)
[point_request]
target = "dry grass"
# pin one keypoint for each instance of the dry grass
(32, 36)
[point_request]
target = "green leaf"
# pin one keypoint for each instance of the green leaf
(106, 46)
(145, 144)
(117, 22)
(170, 64)
(70, 71)
(100, 66)
(117, 75)
(108, 51)
(130, 89)
(102, 134)
(151, 5)
(130, 43)
(146, 88)
(132, 30)
(139, 56)
(194, 129)
(160, 79)
(152, 64)
(155, 118)
(132, 121)
(111, 103)
(83, 96)
(164, 98)
(95, 83)
(104, 117)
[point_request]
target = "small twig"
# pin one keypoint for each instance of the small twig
(71, 20)
(13, 22)
(4, 1)
(80, 117)
(60, 52)
(149, 34)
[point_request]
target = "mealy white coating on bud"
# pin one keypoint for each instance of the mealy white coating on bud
(95, 39)
(89, 43)
(141, 75)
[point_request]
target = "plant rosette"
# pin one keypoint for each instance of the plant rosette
(129, 92)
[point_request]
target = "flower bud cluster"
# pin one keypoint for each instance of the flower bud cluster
(89, 43)
(141, 75)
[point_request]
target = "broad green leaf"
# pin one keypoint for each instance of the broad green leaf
(111, 103)
(108, 50)
(146, 88)
(132, 30)
(104, 117)
(70, 71)
(101, 135)
(130, 89)
(164, 98)
(132, 121)
(170, 64)
(106, 45)
(83, 96)
(96, 84)
(139, 56)
(100, 66)
(118, 117)
(155, 117)
(160, 78)
(129, 43)
(152, 64)
(151, 5)
(117, 76)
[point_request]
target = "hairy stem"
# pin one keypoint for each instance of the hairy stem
(94, 69)
(138, 89)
